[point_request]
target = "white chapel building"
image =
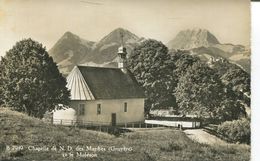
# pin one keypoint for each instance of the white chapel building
(100, 95)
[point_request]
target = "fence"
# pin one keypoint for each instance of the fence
(103, 126)
(89, 124)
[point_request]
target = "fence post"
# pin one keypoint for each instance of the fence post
(152, 125)
(145, 125)
(61, 122)
(140, 125)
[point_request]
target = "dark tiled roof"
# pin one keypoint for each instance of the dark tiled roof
(111, 83)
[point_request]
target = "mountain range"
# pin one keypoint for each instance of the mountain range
(71, 50)
(204, 44)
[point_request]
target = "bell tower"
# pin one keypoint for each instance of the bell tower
(122, 55)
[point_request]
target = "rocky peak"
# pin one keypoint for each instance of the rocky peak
(193, 38)
(115, 36)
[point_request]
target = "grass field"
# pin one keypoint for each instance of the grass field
(160, 144)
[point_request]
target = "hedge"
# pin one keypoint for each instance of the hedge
(236, 131)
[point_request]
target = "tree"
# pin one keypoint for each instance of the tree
(239, 81)
(230, 109)
(235, 79)
(148, 64)
(201, 92)
(179, 63)
(233, 75)
(1, 85)
(31, 81)
(158, 71)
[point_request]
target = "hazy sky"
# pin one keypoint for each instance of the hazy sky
(47, 20)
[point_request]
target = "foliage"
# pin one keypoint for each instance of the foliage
(1, 85)
(239, 81)
(201, 92)
(182, 81)
(236, 131)
(235, 79)
(30, 80)
(147, 63)
(230, 109)
(180, 62)
(157, 71)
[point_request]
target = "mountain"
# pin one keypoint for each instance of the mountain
(69, 51)
(204, 44)
(105, 50)
(188, 39)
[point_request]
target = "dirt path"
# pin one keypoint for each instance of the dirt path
(203, 137)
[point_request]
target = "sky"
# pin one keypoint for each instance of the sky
(46, 21)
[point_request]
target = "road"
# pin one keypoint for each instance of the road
(203, 137)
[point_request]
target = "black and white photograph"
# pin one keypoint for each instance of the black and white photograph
(125, 80)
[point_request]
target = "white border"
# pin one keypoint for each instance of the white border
(255, 60)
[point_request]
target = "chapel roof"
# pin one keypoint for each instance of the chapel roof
(91, 83)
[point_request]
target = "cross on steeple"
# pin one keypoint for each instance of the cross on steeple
(122, 38)
(122, 54)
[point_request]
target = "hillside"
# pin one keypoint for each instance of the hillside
(241, 57)
(158, 144)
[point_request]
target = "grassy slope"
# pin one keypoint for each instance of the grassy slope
(155, 144)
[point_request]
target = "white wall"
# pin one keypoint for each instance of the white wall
(186, 124)
(64, 116)
(135, 110)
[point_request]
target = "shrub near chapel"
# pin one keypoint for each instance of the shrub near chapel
(236, 131)
(30, 80)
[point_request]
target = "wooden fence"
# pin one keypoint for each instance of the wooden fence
(89, 124)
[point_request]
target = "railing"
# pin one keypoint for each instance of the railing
(89, 124)
(140, 125)
(77, 122)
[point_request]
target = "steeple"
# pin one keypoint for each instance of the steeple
(122, 54)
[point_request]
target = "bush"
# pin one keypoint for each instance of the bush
(236, 131)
